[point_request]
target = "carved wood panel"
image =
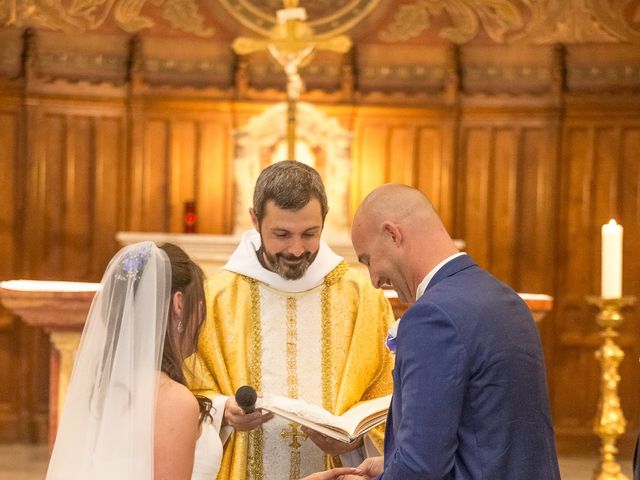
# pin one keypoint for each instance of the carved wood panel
(600, 178)
(404, 146)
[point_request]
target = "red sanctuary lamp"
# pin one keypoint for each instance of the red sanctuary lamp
(190, 217)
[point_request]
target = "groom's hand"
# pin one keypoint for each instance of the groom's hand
(235, 417)
(329, 445)
(336, 473)
(370, 468)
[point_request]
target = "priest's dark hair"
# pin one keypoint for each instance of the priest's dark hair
(188, 278)
(291, 185)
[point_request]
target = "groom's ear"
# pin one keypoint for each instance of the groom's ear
(176, 305)
(392, 232)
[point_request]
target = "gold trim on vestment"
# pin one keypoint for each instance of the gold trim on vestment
(292, 381)
(255, 466)
(327, 376)
(292, 348)
(327, 384)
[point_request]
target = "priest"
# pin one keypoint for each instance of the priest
(287, 316)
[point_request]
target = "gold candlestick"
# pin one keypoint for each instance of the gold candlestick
(610, 422)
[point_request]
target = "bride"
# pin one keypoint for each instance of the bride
(128, 414)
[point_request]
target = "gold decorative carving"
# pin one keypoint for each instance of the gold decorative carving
(496, 17)
(577, 21)
(84, 15)
(548, 21)
(326, 17)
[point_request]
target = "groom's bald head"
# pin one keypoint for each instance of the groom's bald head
(396, 203)
(399, 236)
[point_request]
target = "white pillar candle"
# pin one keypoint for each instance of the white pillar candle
(611, 260)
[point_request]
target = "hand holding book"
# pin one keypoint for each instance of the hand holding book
(347, 427)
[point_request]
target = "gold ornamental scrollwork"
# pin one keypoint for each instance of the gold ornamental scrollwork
(327, 18)
(468, 18)
(518, 21)
(85, 15)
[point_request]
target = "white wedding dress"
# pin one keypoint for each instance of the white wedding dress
(208, 456)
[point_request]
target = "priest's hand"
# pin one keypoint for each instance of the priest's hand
(369, 469)
(235, 417)
(329, 445)
(334, 474)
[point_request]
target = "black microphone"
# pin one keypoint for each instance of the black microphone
(246, 398)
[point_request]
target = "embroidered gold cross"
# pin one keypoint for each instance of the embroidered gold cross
(294, 433)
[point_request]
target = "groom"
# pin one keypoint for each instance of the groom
(470, 397)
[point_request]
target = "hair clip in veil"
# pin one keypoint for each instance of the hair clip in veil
(134, 261)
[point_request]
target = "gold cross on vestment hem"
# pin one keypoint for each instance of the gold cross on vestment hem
(294, 433)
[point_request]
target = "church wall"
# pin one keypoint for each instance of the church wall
(412, 146)
(526, 189)
(525, 150)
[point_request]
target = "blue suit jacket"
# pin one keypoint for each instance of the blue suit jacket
(470, 397)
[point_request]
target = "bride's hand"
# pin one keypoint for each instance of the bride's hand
(240, 421)
(333, 474)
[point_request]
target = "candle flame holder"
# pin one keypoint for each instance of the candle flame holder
(609, 422)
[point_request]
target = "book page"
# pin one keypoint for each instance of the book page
(309, 411)
(354, 419)
(358, 415)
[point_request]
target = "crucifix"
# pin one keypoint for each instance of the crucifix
(291, 43)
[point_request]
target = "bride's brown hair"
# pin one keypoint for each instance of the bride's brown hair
(188, 278)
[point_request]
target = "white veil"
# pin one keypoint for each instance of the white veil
(107, 424)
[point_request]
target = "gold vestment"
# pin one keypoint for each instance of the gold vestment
(356, 365)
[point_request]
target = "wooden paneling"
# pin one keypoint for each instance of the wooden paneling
(110, 190)
(434, 174)
(413, 147)
(369, 166)
(9, 394)
(476, 175)
(537, 209)
(401, 155)
(8, 164)
(183, 170)
(527, 186)
(154, 182)
(214, 185)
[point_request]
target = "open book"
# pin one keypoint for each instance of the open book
(359, 419)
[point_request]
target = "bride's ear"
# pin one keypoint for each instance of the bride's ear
(176, 305)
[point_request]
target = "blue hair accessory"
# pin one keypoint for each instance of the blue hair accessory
(134, 261)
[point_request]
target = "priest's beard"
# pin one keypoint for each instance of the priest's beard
(277, 263)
